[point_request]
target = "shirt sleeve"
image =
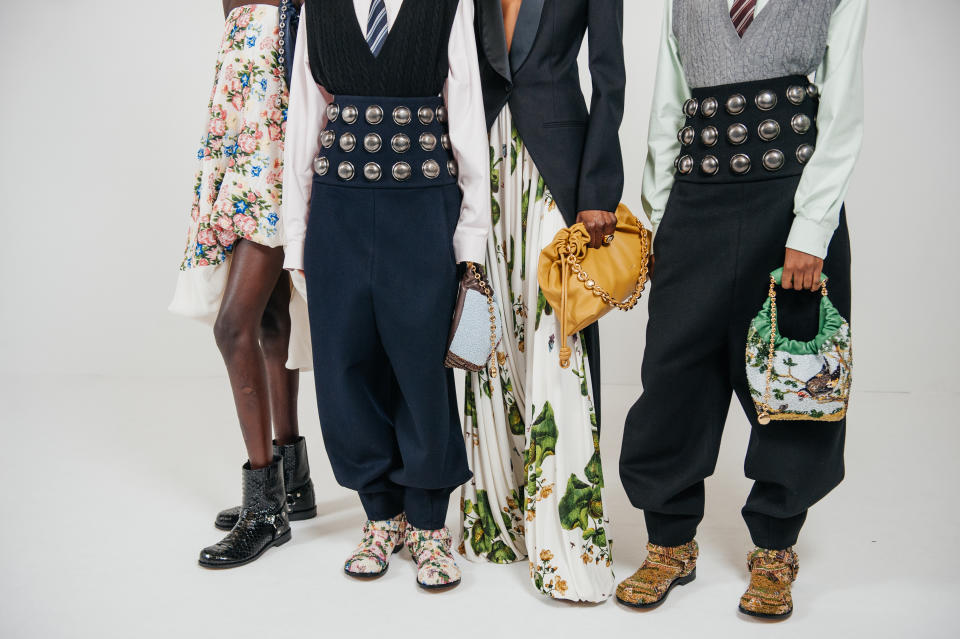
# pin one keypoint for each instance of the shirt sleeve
(305, 116)
(468, 137)
(666, 118)
(826, 177)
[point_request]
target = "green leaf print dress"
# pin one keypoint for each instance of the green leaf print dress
(531, 433)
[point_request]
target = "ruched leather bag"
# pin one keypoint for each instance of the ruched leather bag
(583, 284)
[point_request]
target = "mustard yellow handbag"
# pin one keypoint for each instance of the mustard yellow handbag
(582, 284)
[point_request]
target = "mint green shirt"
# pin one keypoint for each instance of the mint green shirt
(826, 177)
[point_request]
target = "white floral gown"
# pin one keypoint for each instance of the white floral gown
(531, 432)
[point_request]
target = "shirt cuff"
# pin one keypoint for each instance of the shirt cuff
(470, 248)
(655, 218)
(293, 256)
(809, 237)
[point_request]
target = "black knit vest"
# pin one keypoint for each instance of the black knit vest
(412, 62)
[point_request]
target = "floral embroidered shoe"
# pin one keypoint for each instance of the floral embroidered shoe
(663, 569)
(772, 573)
(436, 568)
(380, 540)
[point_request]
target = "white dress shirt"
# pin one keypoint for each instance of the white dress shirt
(466, 120)
(823, 184)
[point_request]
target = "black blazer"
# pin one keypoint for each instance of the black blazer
(577, 153)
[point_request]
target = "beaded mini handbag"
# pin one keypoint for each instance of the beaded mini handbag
(793, 380)
(476, 331)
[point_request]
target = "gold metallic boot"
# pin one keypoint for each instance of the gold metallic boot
(663, 569)
(772, 572)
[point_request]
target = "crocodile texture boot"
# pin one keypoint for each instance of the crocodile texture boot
(772, 573)
(301, 500)
(262, 524)
(663, 569)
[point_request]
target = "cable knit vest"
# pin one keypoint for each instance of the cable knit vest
(413, 61)
(788, 37)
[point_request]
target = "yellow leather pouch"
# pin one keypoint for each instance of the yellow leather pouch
(583, 284)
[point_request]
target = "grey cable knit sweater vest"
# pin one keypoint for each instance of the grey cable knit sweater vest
(789, 37)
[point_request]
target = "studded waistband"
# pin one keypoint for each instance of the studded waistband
(748, 131)
(386, 142)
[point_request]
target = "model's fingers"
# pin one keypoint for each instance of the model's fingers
(596, 238)
(611, 226)
(787, 280)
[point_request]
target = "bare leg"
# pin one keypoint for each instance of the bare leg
(282, 382)
(253, 277)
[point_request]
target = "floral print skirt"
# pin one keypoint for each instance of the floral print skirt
(238, 186)
(531, 432)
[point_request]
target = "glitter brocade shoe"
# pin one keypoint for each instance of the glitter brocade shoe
(381, 539)
(664, 568)
(772, 573)
(431, 550)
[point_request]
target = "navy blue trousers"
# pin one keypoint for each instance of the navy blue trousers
(382, 284)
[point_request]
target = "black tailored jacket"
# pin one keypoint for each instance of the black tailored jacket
(578, 153)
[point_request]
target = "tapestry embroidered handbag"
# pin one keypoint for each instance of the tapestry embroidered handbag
(582, 284)
(476, 331)
(792, 380)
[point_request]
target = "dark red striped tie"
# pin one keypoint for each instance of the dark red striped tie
(742, 14)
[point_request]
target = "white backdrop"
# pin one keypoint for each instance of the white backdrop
(103, 110)
(101, 113)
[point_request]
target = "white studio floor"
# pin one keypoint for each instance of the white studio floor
(112, 486)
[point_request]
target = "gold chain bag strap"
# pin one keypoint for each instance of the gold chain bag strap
(583, 284)
(475, 331)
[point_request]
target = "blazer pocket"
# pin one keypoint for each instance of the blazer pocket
(564, 124)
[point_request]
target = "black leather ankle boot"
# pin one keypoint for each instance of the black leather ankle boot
(261, 524)
(301, 500)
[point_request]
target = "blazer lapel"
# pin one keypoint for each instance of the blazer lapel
(492, 36)
(528, 24)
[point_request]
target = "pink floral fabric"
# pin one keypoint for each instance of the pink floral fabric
(436, 567)
(380, 540)
(237, 190)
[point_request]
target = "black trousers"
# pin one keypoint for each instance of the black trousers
(714, 251)
(382, 284)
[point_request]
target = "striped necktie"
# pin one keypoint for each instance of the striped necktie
(742, 14)
(377, 26)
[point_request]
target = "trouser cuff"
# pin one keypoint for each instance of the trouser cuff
(774, 533)
(670, 530)
(382, 506)
(427, 508)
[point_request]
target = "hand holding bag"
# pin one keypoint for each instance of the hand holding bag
(583, 284)
(476, 331)
(792, 380)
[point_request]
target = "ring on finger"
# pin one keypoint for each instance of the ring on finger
(608, 239)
